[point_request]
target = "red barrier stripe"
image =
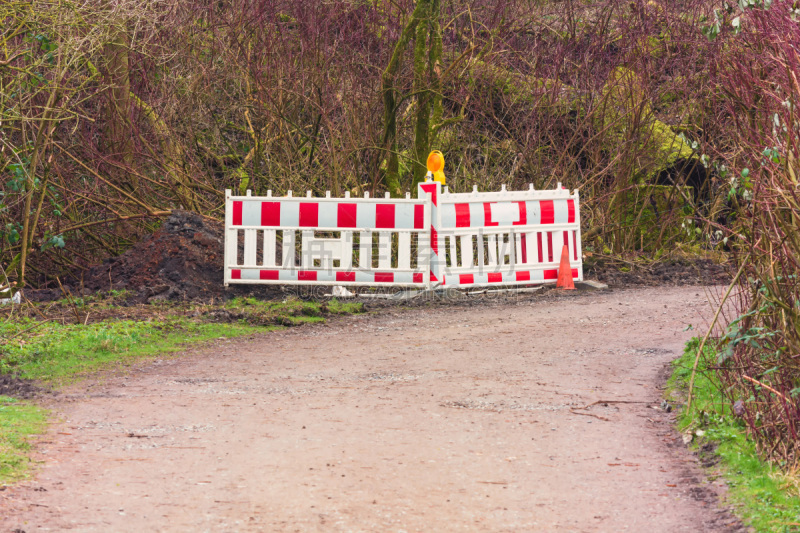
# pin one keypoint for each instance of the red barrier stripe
(466, 279)
(523, 244)
(309, 215)
(270, 213)
(307, 275)
(345, 276)
(551, 274)
(495, 277)
(419, 216)
(237, 213)
(346, 215)
(268, 274)
(236, 273)
(462, 215)
(566, 239)
(570, 211)
(548, 211)
(550, 246)
(539, 244)
(523, 276)
(575, 245)
(434, 241)
(433, 276)
(487, 214)
(384, 216)
(384, 277)
(430, 188)
(523, 214)
(418, 277)
(574, 273)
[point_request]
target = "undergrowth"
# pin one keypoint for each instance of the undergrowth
(764, 496)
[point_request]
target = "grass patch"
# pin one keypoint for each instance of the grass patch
(55, 352)
(18, 421)
(290, 311)
(764, 497)
(345, 308)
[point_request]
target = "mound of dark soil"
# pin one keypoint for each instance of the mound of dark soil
(183, 260)
(18, 387)
(696, 272)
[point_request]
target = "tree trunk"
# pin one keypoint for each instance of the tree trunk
(422, 90)
(119, 140)
(391, 177)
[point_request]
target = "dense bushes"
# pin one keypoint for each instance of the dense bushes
(115, 113)
(760, 360)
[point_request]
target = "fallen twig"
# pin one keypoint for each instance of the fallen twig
(611, 401)
(590, 414)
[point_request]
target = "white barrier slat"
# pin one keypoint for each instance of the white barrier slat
(365, 250)
(288, 249)
(466, 250)
(453, 257)
(270, 236)
(250, 247)
(492, 251)
(481, 258)
(232, 245)
(531, 248)
(347, 250)
(305, 251)
(545, 253)
(384, 250)
(404, 250)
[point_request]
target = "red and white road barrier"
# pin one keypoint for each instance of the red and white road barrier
(508, 237)
(326, 241)
(440, 239)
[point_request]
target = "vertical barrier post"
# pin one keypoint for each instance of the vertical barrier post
(226, 251)
(433, 190)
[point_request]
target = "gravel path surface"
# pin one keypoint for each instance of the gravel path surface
(443, 419)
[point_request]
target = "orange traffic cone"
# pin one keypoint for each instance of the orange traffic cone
(565, 271)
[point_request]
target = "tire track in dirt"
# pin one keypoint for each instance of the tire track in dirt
(445, 419)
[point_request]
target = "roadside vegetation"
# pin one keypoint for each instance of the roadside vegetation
(766, 495)
(63, 340)
(19, 421)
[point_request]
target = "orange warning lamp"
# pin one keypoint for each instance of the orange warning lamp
(435, 166)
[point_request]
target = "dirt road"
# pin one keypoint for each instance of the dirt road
(447, 419)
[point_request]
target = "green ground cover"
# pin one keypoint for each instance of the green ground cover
(762, 495)
(18, 422)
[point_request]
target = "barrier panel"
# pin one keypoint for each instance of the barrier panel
(326, 241)
(506, 237)
(441, 239)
